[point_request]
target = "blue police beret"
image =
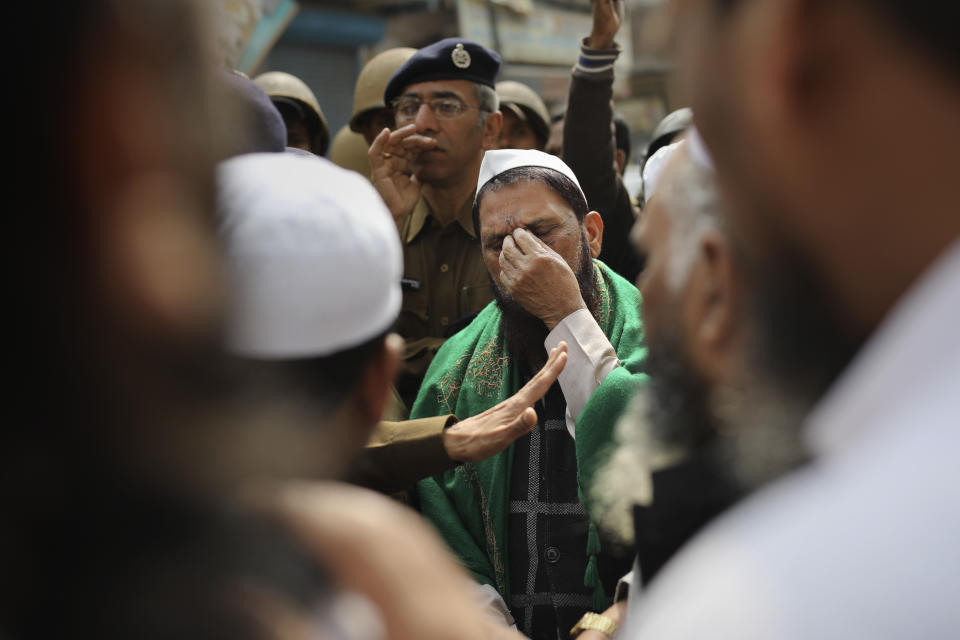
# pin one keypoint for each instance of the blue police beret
(449, 59)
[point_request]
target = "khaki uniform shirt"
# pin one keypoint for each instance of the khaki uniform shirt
(445, 283)
(400, 453)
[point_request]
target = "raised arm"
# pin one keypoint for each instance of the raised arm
(588, 136)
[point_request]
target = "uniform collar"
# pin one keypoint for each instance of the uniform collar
(422, 211)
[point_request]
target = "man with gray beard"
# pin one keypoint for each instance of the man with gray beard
(680, 459)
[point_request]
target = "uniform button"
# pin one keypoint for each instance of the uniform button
(444, 321)
(551, 555)
(444, 267)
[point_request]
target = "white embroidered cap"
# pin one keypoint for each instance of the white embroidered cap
(314, 258)
(699, 155)
(654, 167)
(496, 162)
(699, 152)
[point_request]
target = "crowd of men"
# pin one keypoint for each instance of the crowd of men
(478, 389)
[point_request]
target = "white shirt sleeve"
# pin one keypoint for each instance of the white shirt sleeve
(624, 585)
(492, 605)
(590, 358)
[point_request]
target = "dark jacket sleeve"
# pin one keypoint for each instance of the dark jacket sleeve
(588, 149)
(399, 454)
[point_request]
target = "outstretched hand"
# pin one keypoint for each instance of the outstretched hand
(393, 162)
(492, 431)
(607, 18)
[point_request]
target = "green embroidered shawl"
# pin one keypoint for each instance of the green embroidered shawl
(469, 505)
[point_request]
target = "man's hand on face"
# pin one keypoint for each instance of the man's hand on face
(492, 431)
(393, 160)
(538, 278)
(607, 18)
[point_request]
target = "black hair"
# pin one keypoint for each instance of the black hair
(322, 381)
(930, 25)
(560, 183)
(622, 132)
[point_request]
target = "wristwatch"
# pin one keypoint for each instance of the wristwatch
(596, 621)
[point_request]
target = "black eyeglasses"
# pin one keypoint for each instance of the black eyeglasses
(407, 107)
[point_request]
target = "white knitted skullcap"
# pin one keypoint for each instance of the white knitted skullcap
(653, 169)
(314, 257)
(496, 162)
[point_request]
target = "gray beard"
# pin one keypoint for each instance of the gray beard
(664, 422)
(752, 431)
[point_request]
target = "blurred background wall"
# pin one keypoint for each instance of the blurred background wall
(327, 42)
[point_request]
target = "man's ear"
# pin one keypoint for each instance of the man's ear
(373, 391)
(593, 225)
(620, 160)
(712, 314)
(491, 130)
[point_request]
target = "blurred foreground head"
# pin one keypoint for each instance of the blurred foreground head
(261, 126)
(834, 128)
(314, 266)
(118, 253)
(117, 452)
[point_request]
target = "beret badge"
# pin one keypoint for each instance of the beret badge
(460, 57)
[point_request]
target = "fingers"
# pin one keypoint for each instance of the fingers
(527, 242)
(541, 383)
(397, 148)
(510, 264)
(555, 363)
(375, 153)
(406, 140)
(523, 424)
(510, 253)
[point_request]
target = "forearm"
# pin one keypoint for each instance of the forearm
(400, 453)
(588, 137)
(589, 145)
(590, 358)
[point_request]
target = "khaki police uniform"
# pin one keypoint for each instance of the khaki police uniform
(399, 454)
(445, 283)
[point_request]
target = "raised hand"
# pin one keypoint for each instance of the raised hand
(393, 160)
(607, 18)
(492, 431)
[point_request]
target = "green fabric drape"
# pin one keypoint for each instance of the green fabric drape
(469, 505)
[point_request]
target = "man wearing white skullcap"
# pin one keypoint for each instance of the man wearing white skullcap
(315, 288)
(529, 537)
